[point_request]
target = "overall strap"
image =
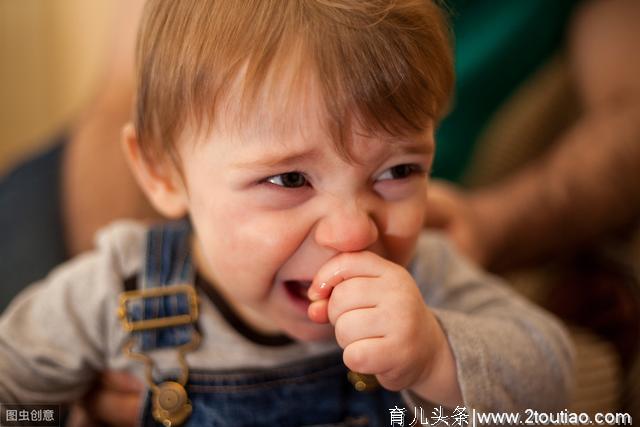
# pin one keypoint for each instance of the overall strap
(162, 313)
(163, 310)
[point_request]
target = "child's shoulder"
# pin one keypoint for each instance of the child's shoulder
(83, 292)
(433, 256)
(122, 244)
(117, 254)
(437, 264)
(432, 243)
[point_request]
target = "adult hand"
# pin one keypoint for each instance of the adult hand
(452, 211)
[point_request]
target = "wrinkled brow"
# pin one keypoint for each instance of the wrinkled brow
(275, 160)
(282, 160)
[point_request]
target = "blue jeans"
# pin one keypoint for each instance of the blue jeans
(313, 392)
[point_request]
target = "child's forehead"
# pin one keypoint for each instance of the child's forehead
(299, 137)
(288, 114)
(287, 100)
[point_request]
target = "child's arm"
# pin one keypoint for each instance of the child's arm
(509, 352)
(500, 352)
(54, 337)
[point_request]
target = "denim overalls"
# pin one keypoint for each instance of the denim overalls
(162, 314)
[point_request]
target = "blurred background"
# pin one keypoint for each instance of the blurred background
(51, 56)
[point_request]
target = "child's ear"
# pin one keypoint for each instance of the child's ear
(159, 180)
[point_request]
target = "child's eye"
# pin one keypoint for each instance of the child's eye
(400, 171)
(288, 180)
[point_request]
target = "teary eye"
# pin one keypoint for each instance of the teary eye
(288, 180)
(400, 171)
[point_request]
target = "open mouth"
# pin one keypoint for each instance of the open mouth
(297, 289)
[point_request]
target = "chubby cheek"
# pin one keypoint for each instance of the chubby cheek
(402, 226)
(244, 247)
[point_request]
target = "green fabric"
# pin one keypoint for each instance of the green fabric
(498, 44)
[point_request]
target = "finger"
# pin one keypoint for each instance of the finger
(342, 301)
(368, 356)
(317, 311)
(358, 325)
(121, 381)
(353, 294)
(322, 290)
(342, 267)
(114, 408)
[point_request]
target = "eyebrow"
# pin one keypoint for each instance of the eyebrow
(415, 148)
(278, 160)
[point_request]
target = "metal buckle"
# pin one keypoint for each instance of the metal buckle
(170, 402)
(162, 322)
(363, 382)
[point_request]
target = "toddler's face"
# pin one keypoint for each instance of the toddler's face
(270, 210)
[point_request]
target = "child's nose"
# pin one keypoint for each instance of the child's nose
(347, 228)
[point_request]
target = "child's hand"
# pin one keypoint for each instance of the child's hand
(383, 324)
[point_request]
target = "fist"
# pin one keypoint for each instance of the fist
(379, 316)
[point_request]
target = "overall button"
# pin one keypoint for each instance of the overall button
(171, 407)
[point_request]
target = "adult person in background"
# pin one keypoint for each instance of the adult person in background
(583, 192)
(52, 204)
(588, 184)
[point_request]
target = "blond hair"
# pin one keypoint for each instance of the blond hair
(385, 63)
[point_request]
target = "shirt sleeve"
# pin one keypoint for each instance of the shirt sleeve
(53, 337)
(510, 354)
